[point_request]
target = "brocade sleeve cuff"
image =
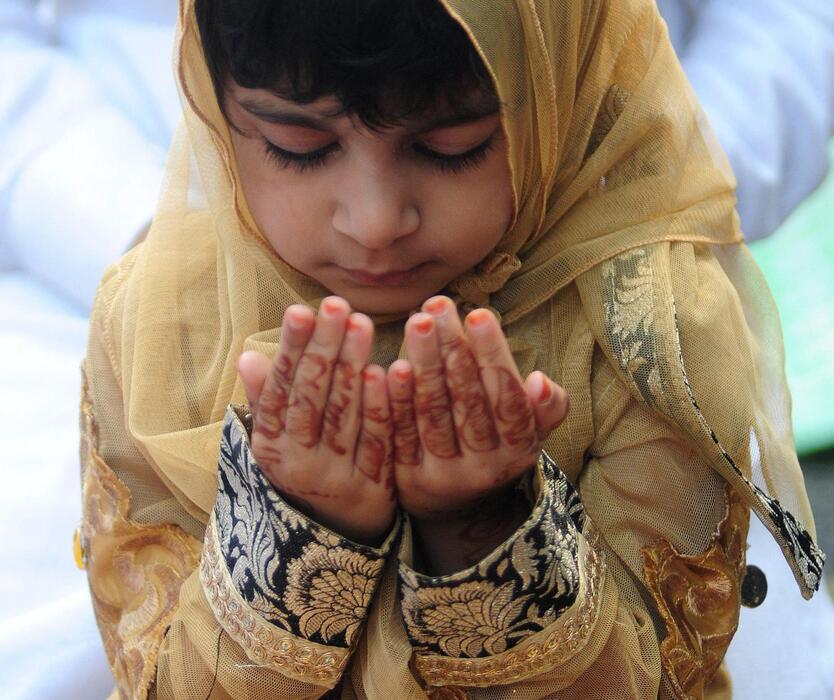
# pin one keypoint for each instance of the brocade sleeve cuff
(292, 593)
(528, 606)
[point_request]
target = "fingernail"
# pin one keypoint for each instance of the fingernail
(294, 319)
(331, 306)
(435, 306)
(352, 326)
(424, 325)
(368, 377)
(402, 374)
(546, 391)
(478, 317)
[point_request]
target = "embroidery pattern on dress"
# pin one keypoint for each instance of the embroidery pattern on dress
(295, 573)
(264, 643)
(629, 312)
(806, 558)
(517, 591)
(629, 315)
(612, 106)
(134, 602)
(553, 646)
(699, 599)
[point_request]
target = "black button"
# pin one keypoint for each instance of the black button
(753, 587)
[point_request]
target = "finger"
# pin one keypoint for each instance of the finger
(401, 398)
(374, 448)
(342, 411)
(311, 383)
(253, 368)
(511, 407)
(551, 402)
(431, 400)
(274, 398)
(470, 406)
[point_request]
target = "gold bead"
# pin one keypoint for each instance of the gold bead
(77, 549)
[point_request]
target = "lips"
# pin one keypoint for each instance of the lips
(394, 278)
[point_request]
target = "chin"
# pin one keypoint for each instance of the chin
(384, 300)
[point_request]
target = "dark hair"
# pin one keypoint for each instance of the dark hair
(384, 60)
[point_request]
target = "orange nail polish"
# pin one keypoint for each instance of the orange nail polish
(331, 307)
(402, 374)
(368, 377)
(294, 319)
(478, 317)
(352, 325)
(435, 306)
(546, 392)
(424, 326)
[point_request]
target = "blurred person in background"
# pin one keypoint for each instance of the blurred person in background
(91, 78)
(764, 73)
(95, 78)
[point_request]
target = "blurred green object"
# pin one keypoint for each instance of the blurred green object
(798, 261)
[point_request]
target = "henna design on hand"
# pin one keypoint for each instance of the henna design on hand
(304, 416)
(298, 498)
(270, 415)
(303, 422)
(338, 403)
(375, 453)
(406, 437)
(476, 430)
(431, 403)
(513, 411)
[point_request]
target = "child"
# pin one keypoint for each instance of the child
(381, 521)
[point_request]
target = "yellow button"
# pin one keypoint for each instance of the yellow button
(77, 550)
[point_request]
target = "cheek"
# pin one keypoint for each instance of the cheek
(283, 207)
(473, 216)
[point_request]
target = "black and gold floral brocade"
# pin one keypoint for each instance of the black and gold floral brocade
(277, 565)
(517, 591)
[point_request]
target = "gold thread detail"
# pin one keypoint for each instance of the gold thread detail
(553, 646)
(264, 644)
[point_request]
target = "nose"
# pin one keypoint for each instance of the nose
(375, 208)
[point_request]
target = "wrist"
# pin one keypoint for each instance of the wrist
(371, 533)
(453, 542)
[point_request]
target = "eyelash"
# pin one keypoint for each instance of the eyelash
(306, 162)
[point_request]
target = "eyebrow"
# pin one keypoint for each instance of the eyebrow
(276, 115)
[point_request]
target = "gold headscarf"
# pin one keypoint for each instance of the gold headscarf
(624, 222)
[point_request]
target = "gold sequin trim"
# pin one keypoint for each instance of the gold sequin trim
(264, 643)
(551, 647)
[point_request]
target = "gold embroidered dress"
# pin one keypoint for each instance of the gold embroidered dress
(623, 276)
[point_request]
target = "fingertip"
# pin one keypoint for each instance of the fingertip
(400, 372)
(297, 316)
(372, 374)
(420, 323)
(334, 306)
(478, 318)
(537, 387)
(247, 362)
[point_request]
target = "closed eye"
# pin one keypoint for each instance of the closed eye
(455, 162)
(445, 162)
(301, 162)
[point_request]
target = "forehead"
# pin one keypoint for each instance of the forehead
(326, 111)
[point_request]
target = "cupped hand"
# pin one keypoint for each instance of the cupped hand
(322, 428)
(465, 424)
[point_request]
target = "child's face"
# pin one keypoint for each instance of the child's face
(382, 218)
